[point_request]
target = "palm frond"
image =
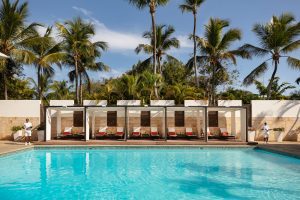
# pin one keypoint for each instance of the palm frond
(255, 73)
(293, 62)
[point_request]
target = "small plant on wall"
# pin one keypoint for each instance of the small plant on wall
(16, 128)
(281, 129)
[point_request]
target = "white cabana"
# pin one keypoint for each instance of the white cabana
(60, 112)
(232, 121)
(190, 119)
(98, 117)
(147, 119)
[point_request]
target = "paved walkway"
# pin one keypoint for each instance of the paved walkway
(7, 147)
(286, 148)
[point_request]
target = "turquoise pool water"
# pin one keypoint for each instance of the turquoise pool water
(153, 173)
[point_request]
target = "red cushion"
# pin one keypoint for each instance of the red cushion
(224, 133)
(119, 133)
(67, 133)
(172, 133)
(154, 133)
(102, 133)
(136, 133)
(189, 133)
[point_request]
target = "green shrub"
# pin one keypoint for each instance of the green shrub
(16, 128)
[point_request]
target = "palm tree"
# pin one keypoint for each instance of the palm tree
(278, 89)
(42, 87)
(277, 38)
(148, 82)
(87, 64)
(164, 43)
(14, 34)
(46, 51)
(61, 90)
(216, 53)
(77, 42)
(152, 4)
(192, 6)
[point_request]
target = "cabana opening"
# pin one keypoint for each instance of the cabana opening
(65, 122)
(227, 123)
(186, 122)
(146, 122)
(106, 122)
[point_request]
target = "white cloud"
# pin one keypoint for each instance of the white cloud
(117, 41)
(185, 42)
(82, 10)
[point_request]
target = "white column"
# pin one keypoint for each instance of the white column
(93, 125)
(87, 126)
(233, 123)
(163, 133)
(127, 120)
(48, 124)
(243, 124)
(198, 114)
(203, 121)
(58, 123)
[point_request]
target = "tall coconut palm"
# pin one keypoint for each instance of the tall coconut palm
(216, 53)
(277, 39)
(152, 4)
(42, 87)
(14, 34)
(46, 52)
(164, 41)
(77, 36)
(192, 6)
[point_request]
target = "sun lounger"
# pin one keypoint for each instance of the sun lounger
(225, 135)
(120, 132)
(67, 131)
(154, 132)
(189, 132)
(136, 132)
(102, 132)
(171, 132)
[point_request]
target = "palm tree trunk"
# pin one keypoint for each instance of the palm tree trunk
(80, 89)
(195, 49)
(212, 91)
(269, 88)
(5, 86)
(39, 83)
(152, 12)
(76, 81)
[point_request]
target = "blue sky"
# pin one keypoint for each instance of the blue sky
(122, 25)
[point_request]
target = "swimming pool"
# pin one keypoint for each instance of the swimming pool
(149, 173)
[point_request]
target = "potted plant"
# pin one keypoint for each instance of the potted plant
(278, 133)
(17, 132)
(251, 134)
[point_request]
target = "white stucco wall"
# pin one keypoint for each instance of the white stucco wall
(162, 102)
(61, 102)
(195, 103)
(129, 102)
(230, 103)
(20, 108)
(275, 108)
(94, 102)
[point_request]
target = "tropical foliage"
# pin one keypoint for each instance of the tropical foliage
(278, 39)
(210, 72)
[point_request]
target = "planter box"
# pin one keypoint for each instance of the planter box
(18, 135)
(278, 136)
(251, 136)
(41, 135)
